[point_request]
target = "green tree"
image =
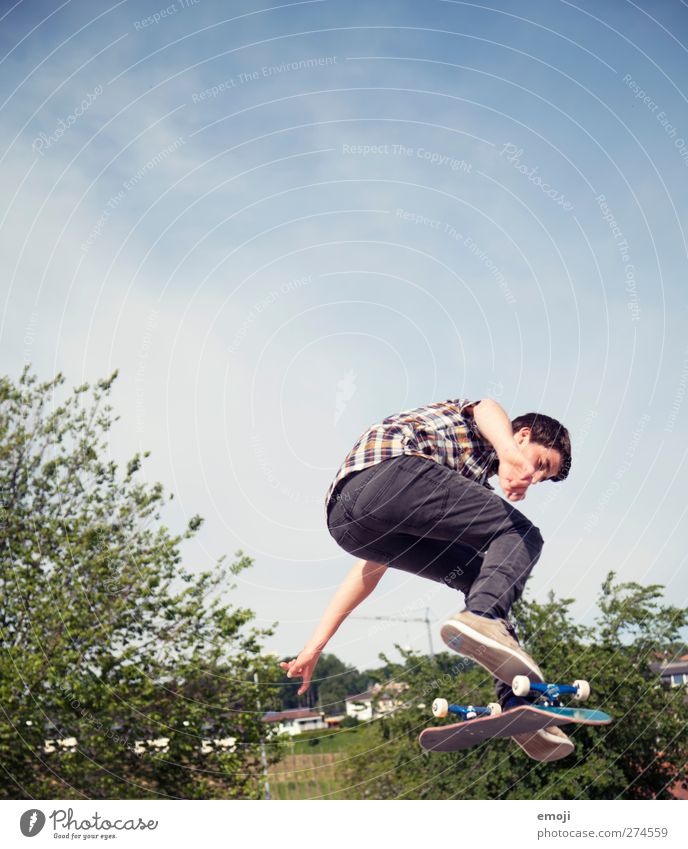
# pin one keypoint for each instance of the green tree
(642, 755)
(335, 682)
(105, 636)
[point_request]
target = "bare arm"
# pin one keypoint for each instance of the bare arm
(495, 425)
(515, 470)
(357, 586)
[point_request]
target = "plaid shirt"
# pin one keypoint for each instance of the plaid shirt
(444, 432)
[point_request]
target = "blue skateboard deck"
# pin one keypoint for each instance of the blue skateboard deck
(519, 720)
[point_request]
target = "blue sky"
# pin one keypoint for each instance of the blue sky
(283, 223)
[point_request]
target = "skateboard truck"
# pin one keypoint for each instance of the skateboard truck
(548, 696)
(549, 693)
(441, 707)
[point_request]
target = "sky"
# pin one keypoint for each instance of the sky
(284, 223)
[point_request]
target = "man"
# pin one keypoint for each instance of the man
(413, 494)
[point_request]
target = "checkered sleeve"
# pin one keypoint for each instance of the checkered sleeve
(467, 410)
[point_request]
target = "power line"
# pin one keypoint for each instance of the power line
(426, 619)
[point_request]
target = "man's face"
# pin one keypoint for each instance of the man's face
(547, 461)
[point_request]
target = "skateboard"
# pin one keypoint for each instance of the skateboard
(483, 723)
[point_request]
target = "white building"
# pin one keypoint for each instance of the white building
(375, 702)
(296, 721)
(673, 673)
(360, 706)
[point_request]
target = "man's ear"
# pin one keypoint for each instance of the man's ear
(522, 434)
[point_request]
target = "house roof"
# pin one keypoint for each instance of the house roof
(360, 697)
(674, 667)
(286, 715)
(379, 691)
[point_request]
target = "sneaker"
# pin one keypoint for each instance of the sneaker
(489, 643)
(547, 744)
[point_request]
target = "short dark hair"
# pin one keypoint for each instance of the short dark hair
(550, 433)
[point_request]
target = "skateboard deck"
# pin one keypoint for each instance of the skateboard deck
(519, 720)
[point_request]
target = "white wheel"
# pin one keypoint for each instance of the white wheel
(520, 685)
(440, 708)
(495, 708)
(582, 691)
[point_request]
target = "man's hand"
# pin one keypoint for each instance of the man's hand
(515, 473)
(302, 667)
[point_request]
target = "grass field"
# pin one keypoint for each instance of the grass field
(311, 769)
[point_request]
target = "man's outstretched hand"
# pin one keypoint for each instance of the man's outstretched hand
(515, 474)
(302, 667)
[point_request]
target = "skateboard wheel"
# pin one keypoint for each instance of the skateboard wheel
(582, 690)
(520, 685)
(440, 708)
(495, 708)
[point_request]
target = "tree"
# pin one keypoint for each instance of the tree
(642, 755)
(335, 682)
(107, 640)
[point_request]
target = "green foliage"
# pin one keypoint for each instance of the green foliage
(640, 756)
(335, 681)
(331, 740)
(105, 636)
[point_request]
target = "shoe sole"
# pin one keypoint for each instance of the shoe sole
(543, 746)
(498, 659)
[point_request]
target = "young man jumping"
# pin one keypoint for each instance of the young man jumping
(413, 494)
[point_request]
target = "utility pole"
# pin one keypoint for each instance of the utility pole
(263, 756)
(426, 619)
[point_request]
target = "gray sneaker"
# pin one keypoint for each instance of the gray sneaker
(547, 744)
(489, 643)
